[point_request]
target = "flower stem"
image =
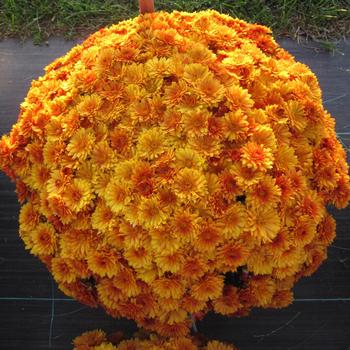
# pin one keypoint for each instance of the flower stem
(146, 6)
(194, 325)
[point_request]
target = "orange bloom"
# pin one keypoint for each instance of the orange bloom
(210, 89)
(126, 281)
(229, 303)
(194, 267)
(196, 122)
(78, 243)
(44, 239)
(304, 231)
(263, 288)
(230, 256)
(185, 225)
(120, 140)
(264, 193)
(163, 239)
(256, 156)
(77, 195)
(310, 205)
(192, 305)
(81, 143)
(229, 184)
(109, 293)
(92, 338)
(285, 158)
(209, 287)
(175, 330)
(139, 257)
(117, 196)
(208, 237)
(151, 215)
(151, 143)
(246, 176)
(170, 262)
(326, 229)
(89, 105)
(62, 270)
(174, 93)
(102, 155)
(234, 221)
(190, 184)
(264, 223)
(104, 263)
(101, 219)
(239, 98)
(28, 217)
(295, 113)
(216, 345)
(168, 288)
(235, 125)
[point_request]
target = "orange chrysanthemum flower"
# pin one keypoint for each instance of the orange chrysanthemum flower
(235, 125)
(264, 223)
(151, 214)
(234, 221)
(208, 237)
(190, 184)
(44, 239)
(151, 143)
(230, 256)
(256, 156)
(210, 287)
(90, 339)
(126, 281)
(265, 192)
(104, 263)
(62, 270)
(77, 195)
(168, 288)
(117, 196)
(229, 303)
(80, 145)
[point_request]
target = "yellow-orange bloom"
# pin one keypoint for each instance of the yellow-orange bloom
(168, 288)
(77, 195)
(151, 215)
(210, 287)
(264, 223)
(234, 221)
(151, 143)
(190, 184)
(256, 156)
(80, 145)
(44, 239)
(117, 196)
(235, 125)
(265, 192)
(104, 263)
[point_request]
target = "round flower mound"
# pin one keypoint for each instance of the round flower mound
(175, 164)
(98, 340)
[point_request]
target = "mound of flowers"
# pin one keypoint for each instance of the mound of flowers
(175, 164)
(98, 340)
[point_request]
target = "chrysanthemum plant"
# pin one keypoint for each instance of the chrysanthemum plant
(98, 340)
(175, 164)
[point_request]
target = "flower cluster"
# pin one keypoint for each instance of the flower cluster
(98, 340)
(174, 164)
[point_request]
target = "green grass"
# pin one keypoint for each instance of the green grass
(322, 20)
